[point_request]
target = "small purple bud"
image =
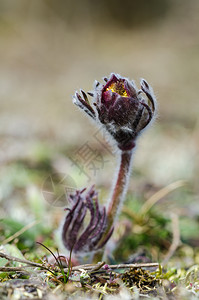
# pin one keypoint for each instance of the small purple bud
(106, 267)
(121, 108)
(75, 235)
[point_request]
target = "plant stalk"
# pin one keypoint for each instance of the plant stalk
(120, 187)
(118, 194)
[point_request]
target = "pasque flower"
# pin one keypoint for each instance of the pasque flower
(123, 109)
(76, 236)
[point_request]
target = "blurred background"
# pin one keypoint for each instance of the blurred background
(49, 49)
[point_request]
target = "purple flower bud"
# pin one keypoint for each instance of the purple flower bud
(123, 109)
(75, 236)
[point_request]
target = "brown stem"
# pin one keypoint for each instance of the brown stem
(118, 194)
(120, 187)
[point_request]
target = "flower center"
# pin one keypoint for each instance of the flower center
(118, 87)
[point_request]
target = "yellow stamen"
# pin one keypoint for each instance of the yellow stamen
(118, 87)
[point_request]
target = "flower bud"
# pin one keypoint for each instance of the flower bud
(121, 108)
(76, 236)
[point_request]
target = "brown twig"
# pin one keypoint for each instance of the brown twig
(119, 266)
(127, 266)
(87, 267)
(12, 269)
(23, 261)
(97, 267)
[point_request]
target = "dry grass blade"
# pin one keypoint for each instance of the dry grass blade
(21, 231)
(160, 194)
(176, 239)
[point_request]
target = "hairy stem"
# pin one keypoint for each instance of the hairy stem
(118, 194)
(120, 187)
